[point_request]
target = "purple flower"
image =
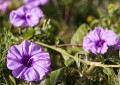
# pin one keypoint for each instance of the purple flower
(98, 40)
(28, 61)
(26, 16)
(36, 2)
(117, 45)
(4, 5)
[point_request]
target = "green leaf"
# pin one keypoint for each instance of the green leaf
(94, 23)
(28, 34)
(78, 37)
(115, 60)
(107, 71)
(53, 77)
(65, 57)
(12, 80)
(112, 77)
(69, 62)
(119, 75)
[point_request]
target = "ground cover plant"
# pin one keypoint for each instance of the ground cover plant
(59, 42)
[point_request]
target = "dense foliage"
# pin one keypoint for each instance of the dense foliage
(61, 33)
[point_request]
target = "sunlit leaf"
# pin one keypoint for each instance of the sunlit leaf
(119, 75)
(78, 37)
(28, 34)
(53, 77)
(69, 62)
(12, 80)
(112, 77)
(65, 57)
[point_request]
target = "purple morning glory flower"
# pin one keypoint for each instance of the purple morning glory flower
(117, 45)
(98, 40)
(28, 61)
(4, 5)
(35, 2)
(26, 16)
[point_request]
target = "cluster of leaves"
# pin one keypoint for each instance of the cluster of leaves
(69, 64)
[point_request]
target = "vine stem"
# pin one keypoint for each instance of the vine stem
(59, 45)
(30, 83)
(86, 74)
(97, 64)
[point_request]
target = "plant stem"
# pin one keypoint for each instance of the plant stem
(98, 64)
(86, 74)
(30, 83)
(66, 14)
(59, 45)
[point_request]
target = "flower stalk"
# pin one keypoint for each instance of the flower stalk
(87, 73)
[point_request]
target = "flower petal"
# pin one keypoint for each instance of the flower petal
(41, 71)
(30, 48)
(13, 64)
(30, 75)
(36, 2)
(15, 53)
(18, 73)
(25, 47)
(40, 56)
(104, 49)
(16, 17)
(108, 34)
(33, 16)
